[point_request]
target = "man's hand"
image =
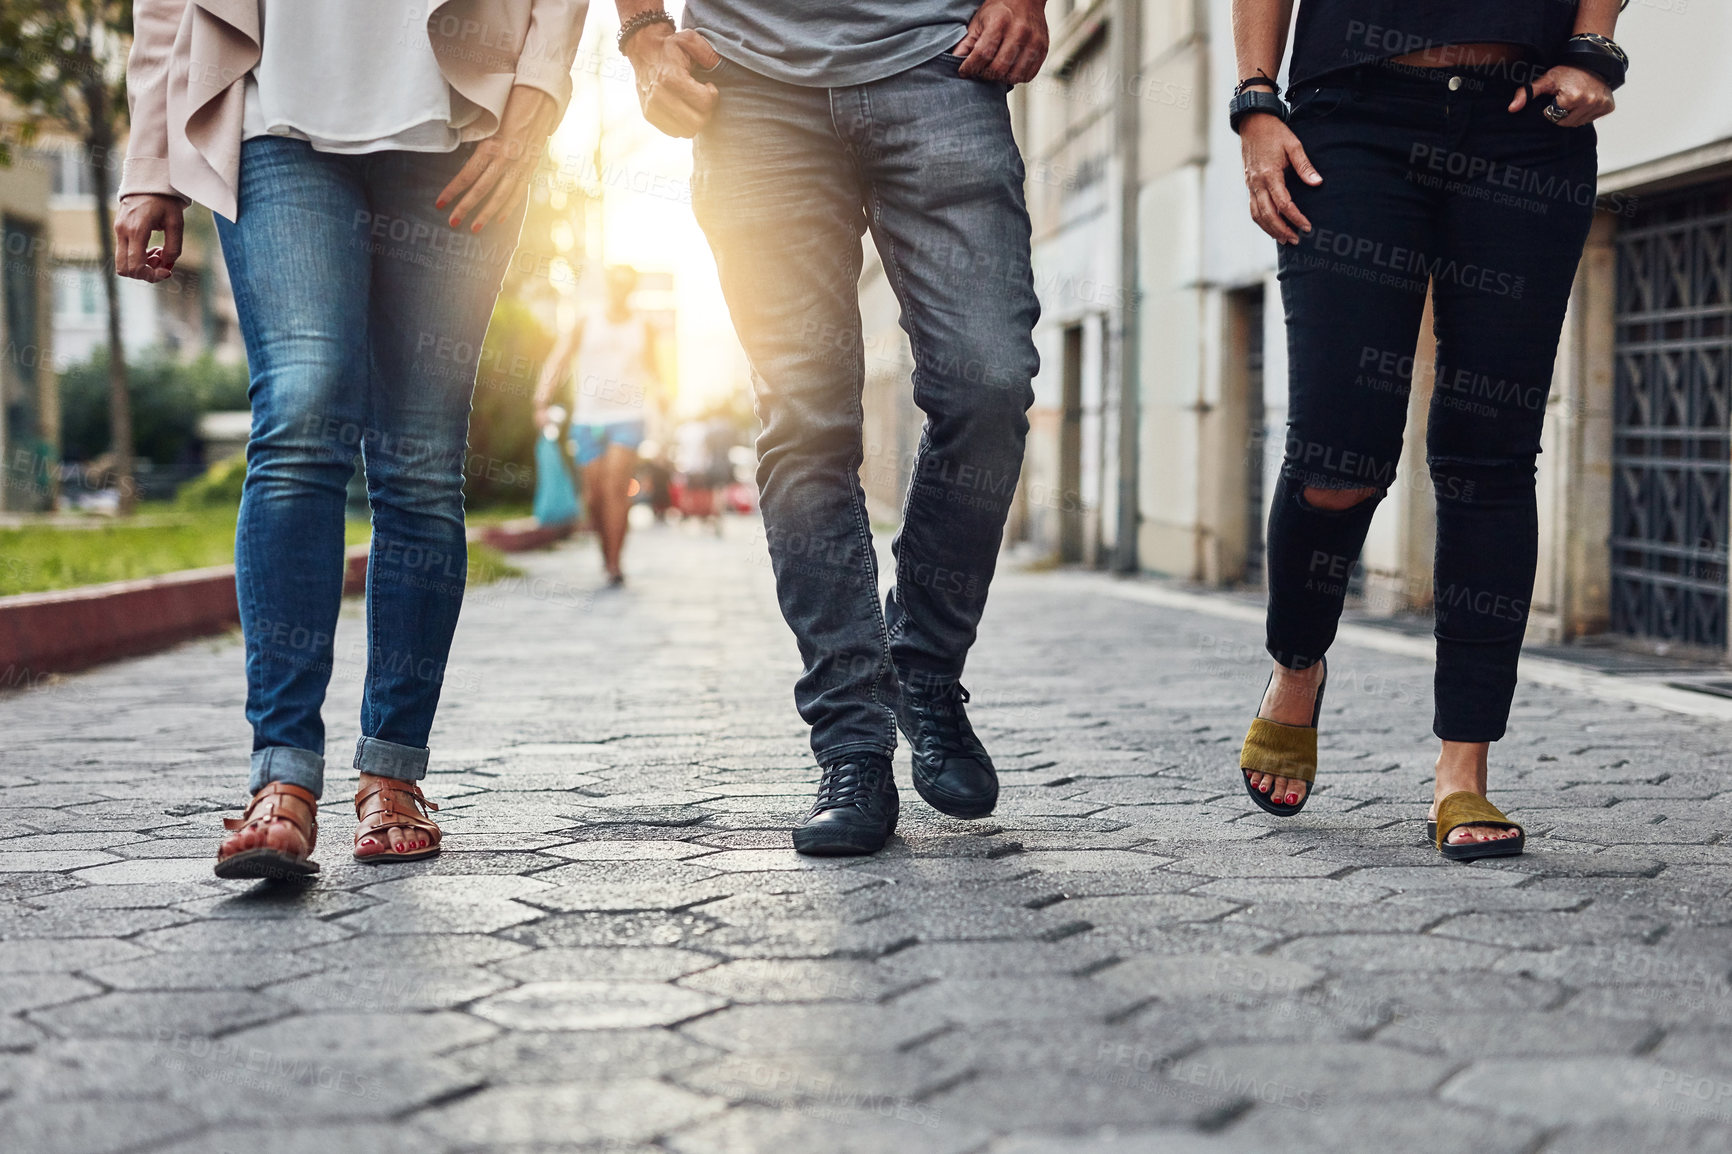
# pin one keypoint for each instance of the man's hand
(1585, 95)
(1006, 41)
(500, 167)
(140, 215)
(672, 99)
(1270, 147)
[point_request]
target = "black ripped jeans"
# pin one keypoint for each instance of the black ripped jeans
(1425, 184)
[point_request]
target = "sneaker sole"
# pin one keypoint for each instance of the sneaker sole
(828, 845)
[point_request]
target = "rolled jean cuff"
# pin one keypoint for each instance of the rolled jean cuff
(287, 764)
(387, 759)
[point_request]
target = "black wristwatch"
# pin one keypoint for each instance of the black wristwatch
(1597, 54)
(1251, 101)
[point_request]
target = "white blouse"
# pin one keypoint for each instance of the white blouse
(350, 76)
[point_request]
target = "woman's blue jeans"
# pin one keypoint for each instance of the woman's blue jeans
(363, 313)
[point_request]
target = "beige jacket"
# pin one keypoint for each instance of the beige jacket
(189, 58)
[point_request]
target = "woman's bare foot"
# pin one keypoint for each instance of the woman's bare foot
(1461, 766)
(393, 819)
(1291, 699)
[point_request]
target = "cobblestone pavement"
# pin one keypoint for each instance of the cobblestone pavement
(619, 951)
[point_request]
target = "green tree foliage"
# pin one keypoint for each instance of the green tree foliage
(501, 465)
(167, 399)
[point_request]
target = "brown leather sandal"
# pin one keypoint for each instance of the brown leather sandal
(276, 801)
(386, 803)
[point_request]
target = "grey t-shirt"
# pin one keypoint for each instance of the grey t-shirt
(830, 43)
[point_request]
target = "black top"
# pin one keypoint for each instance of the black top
(1335, 34)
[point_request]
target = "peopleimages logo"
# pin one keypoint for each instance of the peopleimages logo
(1399, 259)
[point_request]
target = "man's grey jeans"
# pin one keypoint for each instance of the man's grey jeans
(786, 179)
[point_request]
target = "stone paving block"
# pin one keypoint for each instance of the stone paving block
(752, 980)
(1683, 1136)
(1394, 1124)
(1008, 999)
(618, 851)
(373, 1137)
(42, 860)
(1117, 1140)
(1381, 952)
(400, 987)
(217, 935)
(1209, 977)
(631, 897)
(20, 992)
(204, 970)
(365, 1036)
(808, 937)
(538, 1058)
(594, 1005)
(57, 842)
(150, 1014)
(92, 1127)
(772, 1029)
(1668, 1005)
(431, 914)
(1114, 1096)
(987, 959)
(433, 950)
(1467, 1035)
(639, 963)
(1559, 1091)
(872, 1081)
(842, 1128)
(1148, 909)
(24, 922)
(634, 873)
(1307, 1076)
(615, 930)
(54, 956)
(1222, 937)
(635, 1110)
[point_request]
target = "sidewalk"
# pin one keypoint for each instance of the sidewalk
(618, 951)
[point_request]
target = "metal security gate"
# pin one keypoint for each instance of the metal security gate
(1672, 427)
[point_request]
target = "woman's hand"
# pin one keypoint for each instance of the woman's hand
(1270, 147)
(1585, 95)
(140, 215)
(500, 167)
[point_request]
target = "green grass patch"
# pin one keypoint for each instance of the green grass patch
(160, 539)
(65, 555)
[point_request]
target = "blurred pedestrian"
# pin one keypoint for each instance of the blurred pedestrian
(608, 361)
(368, 170)
(1386, 179)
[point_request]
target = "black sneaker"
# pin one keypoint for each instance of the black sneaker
(856, 809)
(951, 768)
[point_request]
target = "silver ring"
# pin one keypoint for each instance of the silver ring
(1556, 113)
